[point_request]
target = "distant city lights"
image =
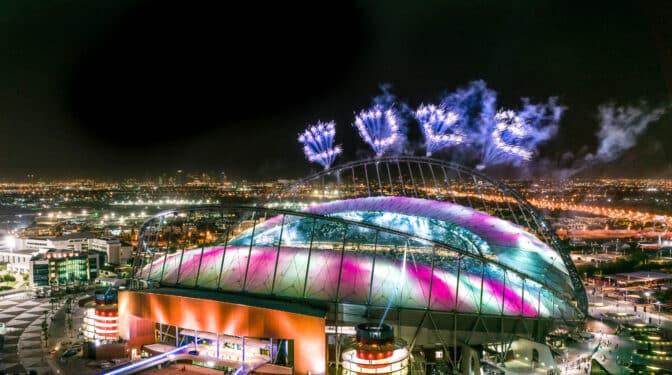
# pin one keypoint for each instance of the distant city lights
(166, 202)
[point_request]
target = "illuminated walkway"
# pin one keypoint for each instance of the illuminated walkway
(177, 369)
(148, 362)
(176, 355)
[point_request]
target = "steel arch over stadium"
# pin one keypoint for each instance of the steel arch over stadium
(456, 259)
(433, 179)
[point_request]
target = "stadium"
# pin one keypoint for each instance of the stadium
(443, 264)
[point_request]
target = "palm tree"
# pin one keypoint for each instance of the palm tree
(69, 322)
(45, 329)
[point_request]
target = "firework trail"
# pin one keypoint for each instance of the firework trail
(318, 143)
(516, 136)
(438, 127)
(465, 117)
(469, 117)
(475, 106)
(504, 136)
(508, 139)
(381, 126)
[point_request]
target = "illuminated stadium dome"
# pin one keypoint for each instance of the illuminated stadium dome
(448, 257)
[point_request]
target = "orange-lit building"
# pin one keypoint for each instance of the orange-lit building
(218, 322)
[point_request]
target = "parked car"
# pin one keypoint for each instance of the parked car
(70, 353)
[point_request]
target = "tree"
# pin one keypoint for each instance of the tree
(69, 322)
(45, 329)
(68, 315)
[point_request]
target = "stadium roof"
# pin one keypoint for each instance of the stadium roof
(383, 251)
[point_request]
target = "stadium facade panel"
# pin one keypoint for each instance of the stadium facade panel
(392, 252)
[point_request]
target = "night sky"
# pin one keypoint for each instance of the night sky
(140, 88)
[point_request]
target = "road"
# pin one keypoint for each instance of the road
(59, 338)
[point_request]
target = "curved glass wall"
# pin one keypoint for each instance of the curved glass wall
(380, 252)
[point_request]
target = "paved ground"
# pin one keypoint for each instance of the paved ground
(615, 352)
(611, 351)
(60, 338)
(180, 369)
(613, 305)
(21, 349)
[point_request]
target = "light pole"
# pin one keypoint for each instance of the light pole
(658, 304)
(648, 302)
(603, 296)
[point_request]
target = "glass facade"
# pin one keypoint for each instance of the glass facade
(398, 252)
(94, 263)
(74, 269)
(40, 273)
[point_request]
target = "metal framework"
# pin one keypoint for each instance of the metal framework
(185, 268)
(434, 179)
(239, 253)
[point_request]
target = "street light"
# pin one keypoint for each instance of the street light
(648, 302)
(657, 303)
(602, 296)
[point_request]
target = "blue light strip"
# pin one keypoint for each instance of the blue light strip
(156, 358)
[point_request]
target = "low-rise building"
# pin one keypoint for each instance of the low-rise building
(60, 268)
(17, 260)
(117, 252)
(16, 256)
(23, 267)
(73, 241)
